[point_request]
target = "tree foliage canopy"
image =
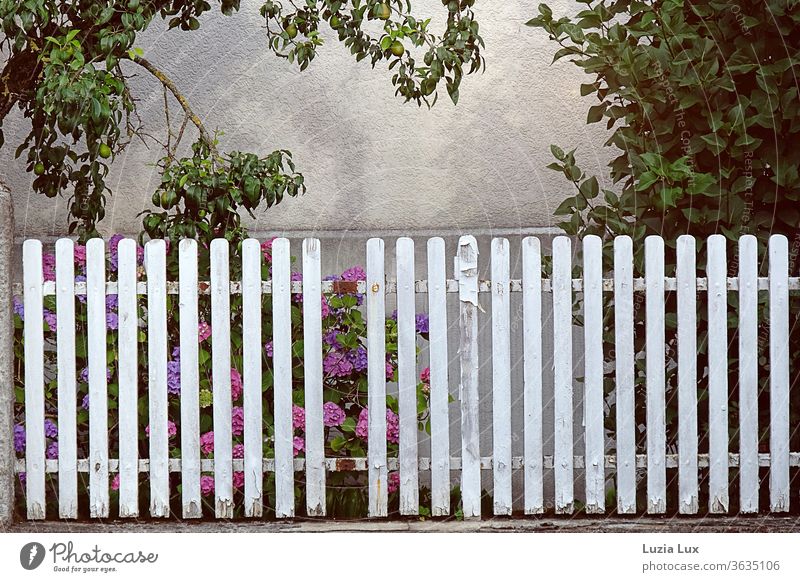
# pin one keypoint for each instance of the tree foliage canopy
(64, 69)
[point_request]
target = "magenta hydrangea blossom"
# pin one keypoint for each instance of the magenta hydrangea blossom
(204, 331)
(425, 375)
(80, 255)
(266, 249)
(393, 483)
(238, 451)
(332, 414)
(207, 442)
(238, 479)
(237, 421)
(49, 267)
(355, 273)
(268, 349)
(115, 482)
(206, 485)
(389, 371)
(236, 384)
(298, 417)
(299, 445)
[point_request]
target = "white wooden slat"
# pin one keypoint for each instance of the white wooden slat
(501, 376)
(717, 268)
(624, 367)
(593, 402)
(562, 373)
(440, 423)
(748, 374)
(376, 378)
(407, 377)
(128, 373)
(467, 275)
(156, 270)
(98, 387)
(252, 355)
(688, 489)
(779, 372)
(532, 375)
(34, 379)
(282, 367)
(312, 371)
(221, 378)
(655, 372)
(190, 379)
(67, 381)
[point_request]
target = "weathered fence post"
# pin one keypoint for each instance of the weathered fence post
(7, 456)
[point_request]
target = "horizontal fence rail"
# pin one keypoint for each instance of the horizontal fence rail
(660, 370)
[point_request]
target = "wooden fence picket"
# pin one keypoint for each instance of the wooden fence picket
(221, 378)
(562, 373)
(282, 370)
(376, 379)
(779, 373)
(688, 488)
(532, 375)
(407, 377)
(127, 371)
(34, 380)
(252, 350)
(67, 381)
(501, 376)
(624, 366)
(440, 423)
(717, 268)
(593, 401)
(312, 373)
(156, 268)
(190, 380)
(656, 380)
(748, 374)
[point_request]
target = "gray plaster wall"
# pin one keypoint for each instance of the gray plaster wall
(371, 161)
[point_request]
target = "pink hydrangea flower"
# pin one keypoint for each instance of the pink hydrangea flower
(266, 248)
(80, 255)
(204, 331)
(392, 425)
(236, 384)
(115, 482)
(394, 481)
(326, 309)
(425, 375)
(49, 267)
(238, 451)
(238, 479)
(207, 442)
(332, 414)
(298, 417)
(237, 421)
(299, 445)
(172, 430)
(206, 485)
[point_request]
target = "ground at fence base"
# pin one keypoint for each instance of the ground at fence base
(754, 524)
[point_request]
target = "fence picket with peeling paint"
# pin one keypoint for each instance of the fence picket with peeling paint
(473, 294)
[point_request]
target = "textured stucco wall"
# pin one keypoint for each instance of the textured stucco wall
(371, 161)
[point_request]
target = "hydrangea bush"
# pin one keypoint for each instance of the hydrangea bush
(345, 411)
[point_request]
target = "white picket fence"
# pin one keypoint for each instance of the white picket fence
(605, 456)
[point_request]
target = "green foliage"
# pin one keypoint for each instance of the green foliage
(65, 71)
(703, 102)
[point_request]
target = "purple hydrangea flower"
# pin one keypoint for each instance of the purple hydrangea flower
(85, 402)
(112, 301)
(112, 321)
(422, 323)
(19, 438)
(113, 245)
(52, 450)
(174, 377)
(50, 428)
(49, 267)
(332, 414)
(268, 349)
(84, 375)
(19, 308)
(359, 358)
(329, 338)
(81, 279)
(392, 425)
(50, 319)
(337, 364)
(355, 273)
